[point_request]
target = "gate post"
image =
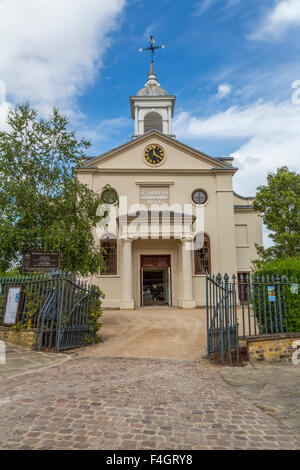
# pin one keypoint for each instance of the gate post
(235, 318)
(60, 288)
(207, 315)
(227, 322)
(218, 315)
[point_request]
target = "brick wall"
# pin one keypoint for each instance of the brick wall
(272, 348)
(22, 338)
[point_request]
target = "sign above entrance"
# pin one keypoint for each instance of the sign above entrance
(155, 261)
(154, 195)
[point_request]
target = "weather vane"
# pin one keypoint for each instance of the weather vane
(151, 47)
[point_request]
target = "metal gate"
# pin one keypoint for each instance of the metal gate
(68, 317)
(221, 312)
(63, 310)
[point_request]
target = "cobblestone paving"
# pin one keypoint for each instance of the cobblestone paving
(121, 403)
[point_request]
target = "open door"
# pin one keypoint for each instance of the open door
(169, 286)
(142, 286)
(155, 280)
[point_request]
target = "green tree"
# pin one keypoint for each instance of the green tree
(42, 203)
(279, 204)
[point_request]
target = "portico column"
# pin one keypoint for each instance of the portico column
(187, 300)
(127, 301)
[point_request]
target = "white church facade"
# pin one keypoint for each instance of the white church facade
(173, 214)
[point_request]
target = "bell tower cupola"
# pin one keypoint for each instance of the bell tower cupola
(152, 108)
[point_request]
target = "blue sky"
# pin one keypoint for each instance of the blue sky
(226, 60)
(232, 64)
(208, 44)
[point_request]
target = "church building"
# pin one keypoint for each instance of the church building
(173, 214)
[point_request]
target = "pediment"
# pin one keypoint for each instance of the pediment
(178, 156)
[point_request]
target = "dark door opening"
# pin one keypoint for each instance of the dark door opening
(155, 280)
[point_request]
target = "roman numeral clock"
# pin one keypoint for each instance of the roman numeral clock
(154, 154)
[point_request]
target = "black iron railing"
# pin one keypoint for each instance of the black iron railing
(250, 305)
(63, 309)
(268, 304)
(222, 324)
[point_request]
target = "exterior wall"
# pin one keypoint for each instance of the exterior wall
(225, 221)
(275, 348)
(199, 286)
(245, 248)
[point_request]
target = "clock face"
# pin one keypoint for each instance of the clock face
(154, 154)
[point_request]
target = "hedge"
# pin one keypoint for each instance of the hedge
(284, 275)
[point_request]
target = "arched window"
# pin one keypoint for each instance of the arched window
(109, 252)
(153, 121)
(202, 254)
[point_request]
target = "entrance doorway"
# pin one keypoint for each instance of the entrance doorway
(156, 280)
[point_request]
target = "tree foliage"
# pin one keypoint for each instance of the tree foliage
(279, 204)
(42, 203)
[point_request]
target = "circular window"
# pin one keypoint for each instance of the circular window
(109, 196)
(199, 196)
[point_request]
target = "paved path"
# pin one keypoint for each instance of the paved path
(20, 361)
(274, 388)
(167, 333)
(106, 403)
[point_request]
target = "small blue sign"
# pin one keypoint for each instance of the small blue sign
(271, 293)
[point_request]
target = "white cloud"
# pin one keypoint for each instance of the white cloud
(50, 50)
(4, 106)
(285, 14)
(270, 132)
(203, 6)
(223, 90)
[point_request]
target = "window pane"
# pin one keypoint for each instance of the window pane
(109, 196)
(153, 121)
(202, 258)
(110, 255)
(243, 282)
(199, 197)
